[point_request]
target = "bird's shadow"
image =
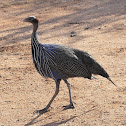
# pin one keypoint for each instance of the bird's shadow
(34, 120)
(54, 123)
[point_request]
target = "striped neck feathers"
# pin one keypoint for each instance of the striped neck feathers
(34, 39)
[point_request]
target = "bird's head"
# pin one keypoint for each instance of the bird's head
(31, 19)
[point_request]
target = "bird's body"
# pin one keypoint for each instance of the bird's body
(61, 62)
(57, 62)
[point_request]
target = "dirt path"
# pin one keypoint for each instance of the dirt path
(100, 29)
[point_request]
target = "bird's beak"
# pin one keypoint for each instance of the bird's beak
(25, 20)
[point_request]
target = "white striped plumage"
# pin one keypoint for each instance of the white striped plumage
(42, 58)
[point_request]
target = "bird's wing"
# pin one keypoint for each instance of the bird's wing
(91, 64)
(66, 62)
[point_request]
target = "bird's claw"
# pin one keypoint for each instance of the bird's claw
(70, 106)
(42, 111)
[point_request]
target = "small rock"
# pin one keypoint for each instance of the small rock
(72, 34)
(99, 28)
(9, 68)
(86, 28)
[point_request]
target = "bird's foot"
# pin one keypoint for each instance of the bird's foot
(42, 111)
(70, 106)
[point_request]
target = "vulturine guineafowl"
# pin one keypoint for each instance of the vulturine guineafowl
(60, 63)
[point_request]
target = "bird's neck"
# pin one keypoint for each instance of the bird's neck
(34, 45)
(34, 34)
(34, 39)
(35, 27)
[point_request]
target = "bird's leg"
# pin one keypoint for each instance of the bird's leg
(71, 105)
(48, 105)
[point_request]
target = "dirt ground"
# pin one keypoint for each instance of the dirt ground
(100, 29)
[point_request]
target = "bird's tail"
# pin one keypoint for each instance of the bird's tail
(111, 81)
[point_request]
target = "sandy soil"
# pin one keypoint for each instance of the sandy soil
(100, 28)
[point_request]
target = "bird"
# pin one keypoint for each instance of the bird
(61, 62)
